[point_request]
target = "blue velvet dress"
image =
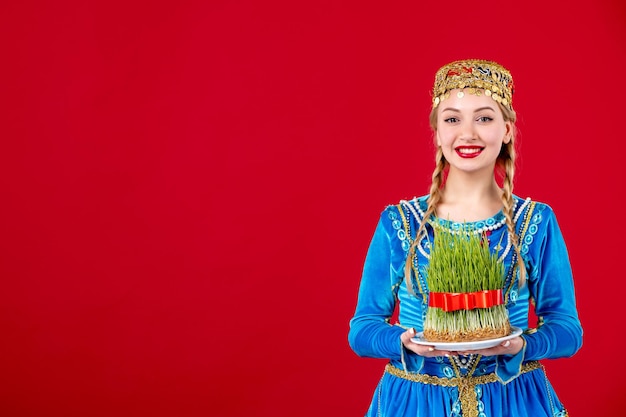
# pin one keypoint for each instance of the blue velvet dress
(472, 385)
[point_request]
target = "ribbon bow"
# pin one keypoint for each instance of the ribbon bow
(452, 301)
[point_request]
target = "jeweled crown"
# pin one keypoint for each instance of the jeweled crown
(477, 76)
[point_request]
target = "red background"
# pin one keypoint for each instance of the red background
(189, 190)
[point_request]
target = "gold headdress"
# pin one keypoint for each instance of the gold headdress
(477, 76)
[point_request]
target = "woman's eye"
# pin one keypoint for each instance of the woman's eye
(451, 120)
(485, 119)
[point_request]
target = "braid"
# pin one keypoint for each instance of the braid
(508, 161)
(433, 199)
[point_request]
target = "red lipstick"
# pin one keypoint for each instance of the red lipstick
(468, 151)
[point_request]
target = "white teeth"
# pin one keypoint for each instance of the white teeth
(468, 150)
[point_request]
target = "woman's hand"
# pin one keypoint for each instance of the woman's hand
(422, 350)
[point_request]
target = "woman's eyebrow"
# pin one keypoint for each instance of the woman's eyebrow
(484, 108)
(475, 111)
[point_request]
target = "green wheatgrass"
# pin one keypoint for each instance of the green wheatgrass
(461, 261)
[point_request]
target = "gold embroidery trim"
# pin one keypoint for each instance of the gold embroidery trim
(405, 222)
(465, 384)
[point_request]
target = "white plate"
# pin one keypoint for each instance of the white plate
(473, 345)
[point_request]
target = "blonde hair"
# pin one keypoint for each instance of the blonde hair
(505, 167)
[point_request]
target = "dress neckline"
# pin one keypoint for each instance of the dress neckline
(478, 226)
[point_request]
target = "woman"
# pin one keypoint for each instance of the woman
(472, 187)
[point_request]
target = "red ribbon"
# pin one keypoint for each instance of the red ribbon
(452, 301)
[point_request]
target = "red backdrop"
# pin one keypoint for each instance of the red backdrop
(189, 190)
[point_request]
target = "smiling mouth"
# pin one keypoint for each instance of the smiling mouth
(468, 152)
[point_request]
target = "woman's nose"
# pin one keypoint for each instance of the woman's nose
(467, 131)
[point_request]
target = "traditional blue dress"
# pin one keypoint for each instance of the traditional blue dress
(472, 385)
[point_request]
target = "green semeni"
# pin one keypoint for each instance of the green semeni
(462, 273)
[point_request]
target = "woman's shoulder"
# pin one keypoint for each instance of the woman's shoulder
(531, 214)
(412, 208)
(418, 203)
(526, 203)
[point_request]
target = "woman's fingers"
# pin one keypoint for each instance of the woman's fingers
(420, 349)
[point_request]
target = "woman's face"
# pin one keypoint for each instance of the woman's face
(471, 130)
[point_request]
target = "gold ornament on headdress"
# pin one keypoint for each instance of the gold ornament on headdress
(477, 76)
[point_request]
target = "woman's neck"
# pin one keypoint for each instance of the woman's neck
(466, 200)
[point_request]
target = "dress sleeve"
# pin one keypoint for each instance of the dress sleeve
(371, 334)
(559, 331)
